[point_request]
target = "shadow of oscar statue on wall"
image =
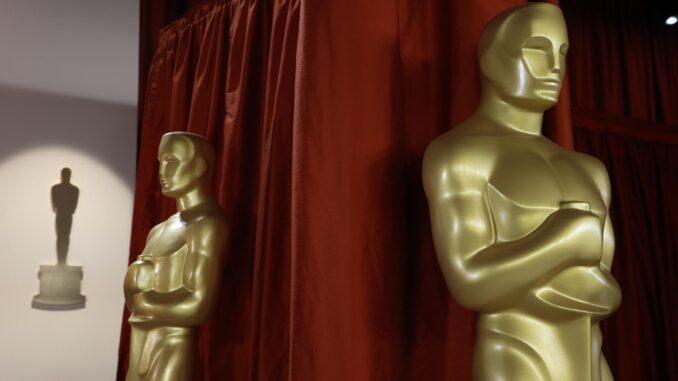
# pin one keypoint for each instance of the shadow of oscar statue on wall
(60, 283)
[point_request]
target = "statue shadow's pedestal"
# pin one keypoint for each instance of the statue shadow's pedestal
(59, 288)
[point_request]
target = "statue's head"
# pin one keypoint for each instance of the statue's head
(65, 175)
(186, 162)
(522, 55)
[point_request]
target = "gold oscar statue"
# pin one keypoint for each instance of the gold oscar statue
(172, 287)
(521, 225)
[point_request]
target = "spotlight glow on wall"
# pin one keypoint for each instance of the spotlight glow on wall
(671, 20)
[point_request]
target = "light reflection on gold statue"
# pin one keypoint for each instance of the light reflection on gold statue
(521, 225)
(172, 287)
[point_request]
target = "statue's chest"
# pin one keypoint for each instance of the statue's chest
(168, 253)
(528, 185)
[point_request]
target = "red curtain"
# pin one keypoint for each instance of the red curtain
(320, 112)
(641, 339)
(623, 59)
(623, 66)
(154, 16)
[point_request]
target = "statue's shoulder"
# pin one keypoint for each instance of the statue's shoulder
(590, 163)
(160, 227)
(460, 146)
(457, 161)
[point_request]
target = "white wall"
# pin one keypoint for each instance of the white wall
(84, 48)
(68, 75)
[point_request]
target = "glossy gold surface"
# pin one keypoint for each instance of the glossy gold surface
(172, 287)
(520, 225)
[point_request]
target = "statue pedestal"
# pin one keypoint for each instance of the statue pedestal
(59, 288)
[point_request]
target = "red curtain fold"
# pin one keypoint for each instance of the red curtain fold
(155, 15)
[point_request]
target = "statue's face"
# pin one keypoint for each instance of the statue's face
(526, 62)
(179, 169)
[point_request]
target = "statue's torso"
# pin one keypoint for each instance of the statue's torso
(161, 264)
(547, 332)
(166, 250)
(528, 177)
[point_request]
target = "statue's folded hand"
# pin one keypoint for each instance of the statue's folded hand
(139, 277)
(581, 232)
